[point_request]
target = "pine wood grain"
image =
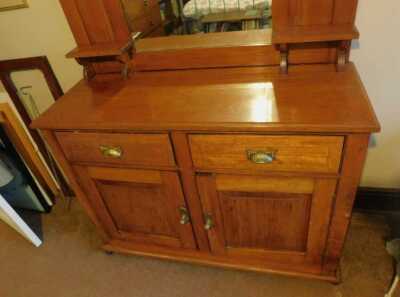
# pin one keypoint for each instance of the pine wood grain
(185, 136)
(220, 100)
(136, 149)
(355, 153)
(138, 205)
(292, 153)
(278, 224)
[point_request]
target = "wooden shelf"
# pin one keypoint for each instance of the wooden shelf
(304, 34)
(100, 50)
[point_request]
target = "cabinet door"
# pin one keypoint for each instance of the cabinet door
(142, 206)
(274, 219)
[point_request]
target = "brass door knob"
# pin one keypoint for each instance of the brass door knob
(261, 157)
(209, 223)
(185, 218)
(111, 151)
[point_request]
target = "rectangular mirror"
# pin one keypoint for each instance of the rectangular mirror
(155, 18)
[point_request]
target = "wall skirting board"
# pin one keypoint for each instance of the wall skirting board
(377, 199)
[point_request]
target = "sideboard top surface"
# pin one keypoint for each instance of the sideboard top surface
(310, 98)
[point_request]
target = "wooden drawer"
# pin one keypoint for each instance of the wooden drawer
(126, 149)
(273, 153)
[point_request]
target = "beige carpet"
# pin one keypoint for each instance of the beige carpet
(70, 264)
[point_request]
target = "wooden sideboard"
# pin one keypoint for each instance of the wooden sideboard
(239, 149)
(235, 167)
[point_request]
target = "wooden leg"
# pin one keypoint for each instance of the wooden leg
(355, 151)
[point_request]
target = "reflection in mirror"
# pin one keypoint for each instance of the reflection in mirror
(33, 91)
(178, 17)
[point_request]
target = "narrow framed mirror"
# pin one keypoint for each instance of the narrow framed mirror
(154, 18)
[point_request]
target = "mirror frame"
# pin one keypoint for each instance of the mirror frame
(314, 31)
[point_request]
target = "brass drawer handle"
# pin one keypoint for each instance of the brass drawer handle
(185, 218)
(261, 157)
(209, 222)
(111, 151)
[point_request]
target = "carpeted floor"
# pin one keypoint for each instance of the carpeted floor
(70, 264)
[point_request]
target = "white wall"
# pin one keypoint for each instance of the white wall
(42, 30)
(378, 60)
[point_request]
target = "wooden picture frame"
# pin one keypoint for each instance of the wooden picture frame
(41, 63)
(13, 4)
(20, 139)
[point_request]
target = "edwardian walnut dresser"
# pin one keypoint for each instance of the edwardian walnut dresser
(237, 149)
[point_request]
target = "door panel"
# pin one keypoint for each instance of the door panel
(274, 219)
(145, 215)
(143, 206)
(271, 221)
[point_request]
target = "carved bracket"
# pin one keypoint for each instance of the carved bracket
(88, 69)
(342, 54)
(284, 62)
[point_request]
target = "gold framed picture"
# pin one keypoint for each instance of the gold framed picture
(13, 4)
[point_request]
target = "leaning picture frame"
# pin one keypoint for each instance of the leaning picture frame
(13, 4)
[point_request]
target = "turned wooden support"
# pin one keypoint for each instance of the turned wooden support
(342, 54)
(284, 54)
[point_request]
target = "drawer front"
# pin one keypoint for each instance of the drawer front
(273, 153)
(123, 149)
